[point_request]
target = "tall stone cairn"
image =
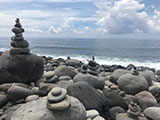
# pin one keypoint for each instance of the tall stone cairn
(19, 45)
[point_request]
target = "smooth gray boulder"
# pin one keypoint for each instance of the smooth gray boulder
(93, 80)
(117, 73)
(37, 110)
(132, 84)
(152, 113)
(63, 70)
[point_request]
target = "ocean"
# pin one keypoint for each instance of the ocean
(140, 52)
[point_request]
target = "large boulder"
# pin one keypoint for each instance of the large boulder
(117, 73)
(3, 99)
(90, 97)
(153, 113)
(93, 80)
(146, 99)
(149, 75)
(132, 84)
(37, 110)
(23, 68)
(64, 71)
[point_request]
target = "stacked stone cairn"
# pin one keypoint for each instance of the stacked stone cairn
(133, 111)
(58, 99)
(19, 45)
(92, 68)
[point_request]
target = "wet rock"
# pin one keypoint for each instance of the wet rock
(115, 110)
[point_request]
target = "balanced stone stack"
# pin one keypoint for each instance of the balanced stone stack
(58, 99)
(20, 46)
(92, 68)
(18, 64)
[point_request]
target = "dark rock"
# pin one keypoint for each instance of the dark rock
(16, 93)
(17, 30)
(114, 99)
(21, 44)
(146, 99)
(89, 96)
(130, 67)
(37, 110)
(54, 79)
(93, 80)
(117, 73)
(3, 99)
(15, 38)
(20, 68)
(64, 71)
(130, 99)
(15, 51)
(115, 110)
(132, 84)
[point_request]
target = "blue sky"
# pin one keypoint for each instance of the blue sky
(83, 18)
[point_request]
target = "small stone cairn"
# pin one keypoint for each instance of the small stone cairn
(19, 45)
(133, 111)
(58, 100)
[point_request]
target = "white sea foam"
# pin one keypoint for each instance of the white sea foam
(3, 49)
(114, 61)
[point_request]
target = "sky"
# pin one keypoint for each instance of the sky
(83, 18)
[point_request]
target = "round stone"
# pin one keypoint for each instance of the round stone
(19, 35)
(18, 30)
(20, 44)
(56, 91)
(54, 97)
(15, 38)
(63, 105)
(15, 51)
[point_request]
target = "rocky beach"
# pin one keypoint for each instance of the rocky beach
(44, 88)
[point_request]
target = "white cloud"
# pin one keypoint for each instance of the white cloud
(10, 1)
(125, 16)
(32, 30)
(54, 30)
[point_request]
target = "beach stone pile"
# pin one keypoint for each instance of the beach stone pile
(45, 108)
(18, 64)
(20, 46)
(57, 99)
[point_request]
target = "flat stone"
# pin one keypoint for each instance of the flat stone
(15, 38)
(15, 51)
(56, 95)
(67, 78)
(17, 30)
(20, 44)
(62, 105)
